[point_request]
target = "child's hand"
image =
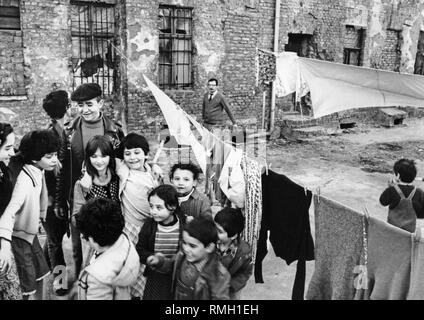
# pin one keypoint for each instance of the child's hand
(154, 260)
(392, 181)
(5, 257)
(189, 218)
(86, 182)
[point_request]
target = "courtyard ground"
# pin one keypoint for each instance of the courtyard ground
(352, 167)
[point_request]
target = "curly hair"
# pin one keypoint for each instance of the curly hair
(56, 103)
(101, 219)
(36, 144)
(185, 166)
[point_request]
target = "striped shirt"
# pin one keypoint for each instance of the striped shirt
(167, 239)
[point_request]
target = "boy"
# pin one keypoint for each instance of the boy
(20, 221)
(405, 201)
(197, 273)
(192, 203)
(114, 266)
(56, 105)
(235, 253)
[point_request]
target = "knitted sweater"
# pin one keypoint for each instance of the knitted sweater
(27, 205)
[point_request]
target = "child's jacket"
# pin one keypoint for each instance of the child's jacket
(110, 275)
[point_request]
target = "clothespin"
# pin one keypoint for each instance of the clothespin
(306, 190)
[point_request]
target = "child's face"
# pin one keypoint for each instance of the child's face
(223, 235)
(48, 162)
(6, 150)
(90, 109)
(194, 250)
(183, 181)
(134, 158)
(99, 161)
(159, 211)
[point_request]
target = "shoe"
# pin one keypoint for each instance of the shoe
(61, 292)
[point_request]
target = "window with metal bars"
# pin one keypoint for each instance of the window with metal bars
(93, 43)
(10, 15)
(175, 47)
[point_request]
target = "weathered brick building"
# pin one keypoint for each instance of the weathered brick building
(179, 44)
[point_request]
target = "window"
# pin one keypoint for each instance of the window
(9, 15)
(175, 47)
(352, 56)
(12, 80)
(93, 41)
(419, 60)
(354, 42)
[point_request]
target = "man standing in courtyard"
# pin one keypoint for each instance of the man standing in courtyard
(214, 104)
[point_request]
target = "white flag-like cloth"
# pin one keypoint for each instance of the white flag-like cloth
(178, 123)
(337, 87)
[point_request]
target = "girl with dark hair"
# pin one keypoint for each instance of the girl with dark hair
(100, 166)
(9, 282)
(160, 235)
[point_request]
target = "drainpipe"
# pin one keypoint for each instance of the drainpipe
(276, 36)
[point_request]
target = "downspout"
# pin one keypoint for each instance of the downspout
(276, 36)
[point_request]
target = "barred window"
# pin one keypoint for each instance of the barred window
(9, 15)
(175, 47)
(93, 41)
(354, 43)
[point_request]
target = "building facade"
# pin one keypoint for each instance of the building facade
(179, 44)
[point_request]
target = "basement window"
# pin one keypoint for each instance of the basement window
(93, 45)
(175, 47)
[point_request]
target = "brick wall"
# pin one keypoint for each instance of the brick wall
(225, 35)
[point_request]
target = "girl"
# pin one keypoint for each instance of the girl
(136, 180)
(100, 167)
(9, 281)
(160, 234)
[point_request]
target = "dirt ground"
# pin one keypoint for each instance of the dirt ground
(352, 167)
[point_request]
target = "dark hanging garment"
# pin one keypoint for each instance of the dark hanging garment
(91, 65)
(286, 215)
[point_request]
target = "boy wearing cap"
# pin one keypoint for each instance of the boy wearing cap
(90, 122)
(56, 104)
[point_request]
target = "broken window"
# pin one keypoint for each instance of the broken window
(419, 60)
(175, 47)
(93, 44)
(12, 80)
(353, 42)
(300, 43)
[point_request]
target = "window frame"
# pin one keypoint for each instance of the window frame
(108, 81)
(173, 36)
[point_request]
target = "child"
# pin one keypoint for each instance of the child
(405, 201)
(197, 273)
(193, 203)
(28, 204)
(136, 180)
(234, 252)
(114, 266)
(100, 166)
(160, 234)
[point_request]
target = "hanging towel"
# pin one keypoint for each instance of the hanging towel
(339, 242)
(231, 180)
(253, 203)
(416, 289)
(286, 216)
(389, 262)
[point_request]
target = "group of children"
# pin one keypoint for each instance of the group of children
(143, 239)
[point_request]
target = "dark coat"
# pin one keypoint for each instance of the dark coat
(6, 187)
(213, 111)
(213, 282)
(68, 176)
(197, 205)
(286, 215)
(241, 267)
